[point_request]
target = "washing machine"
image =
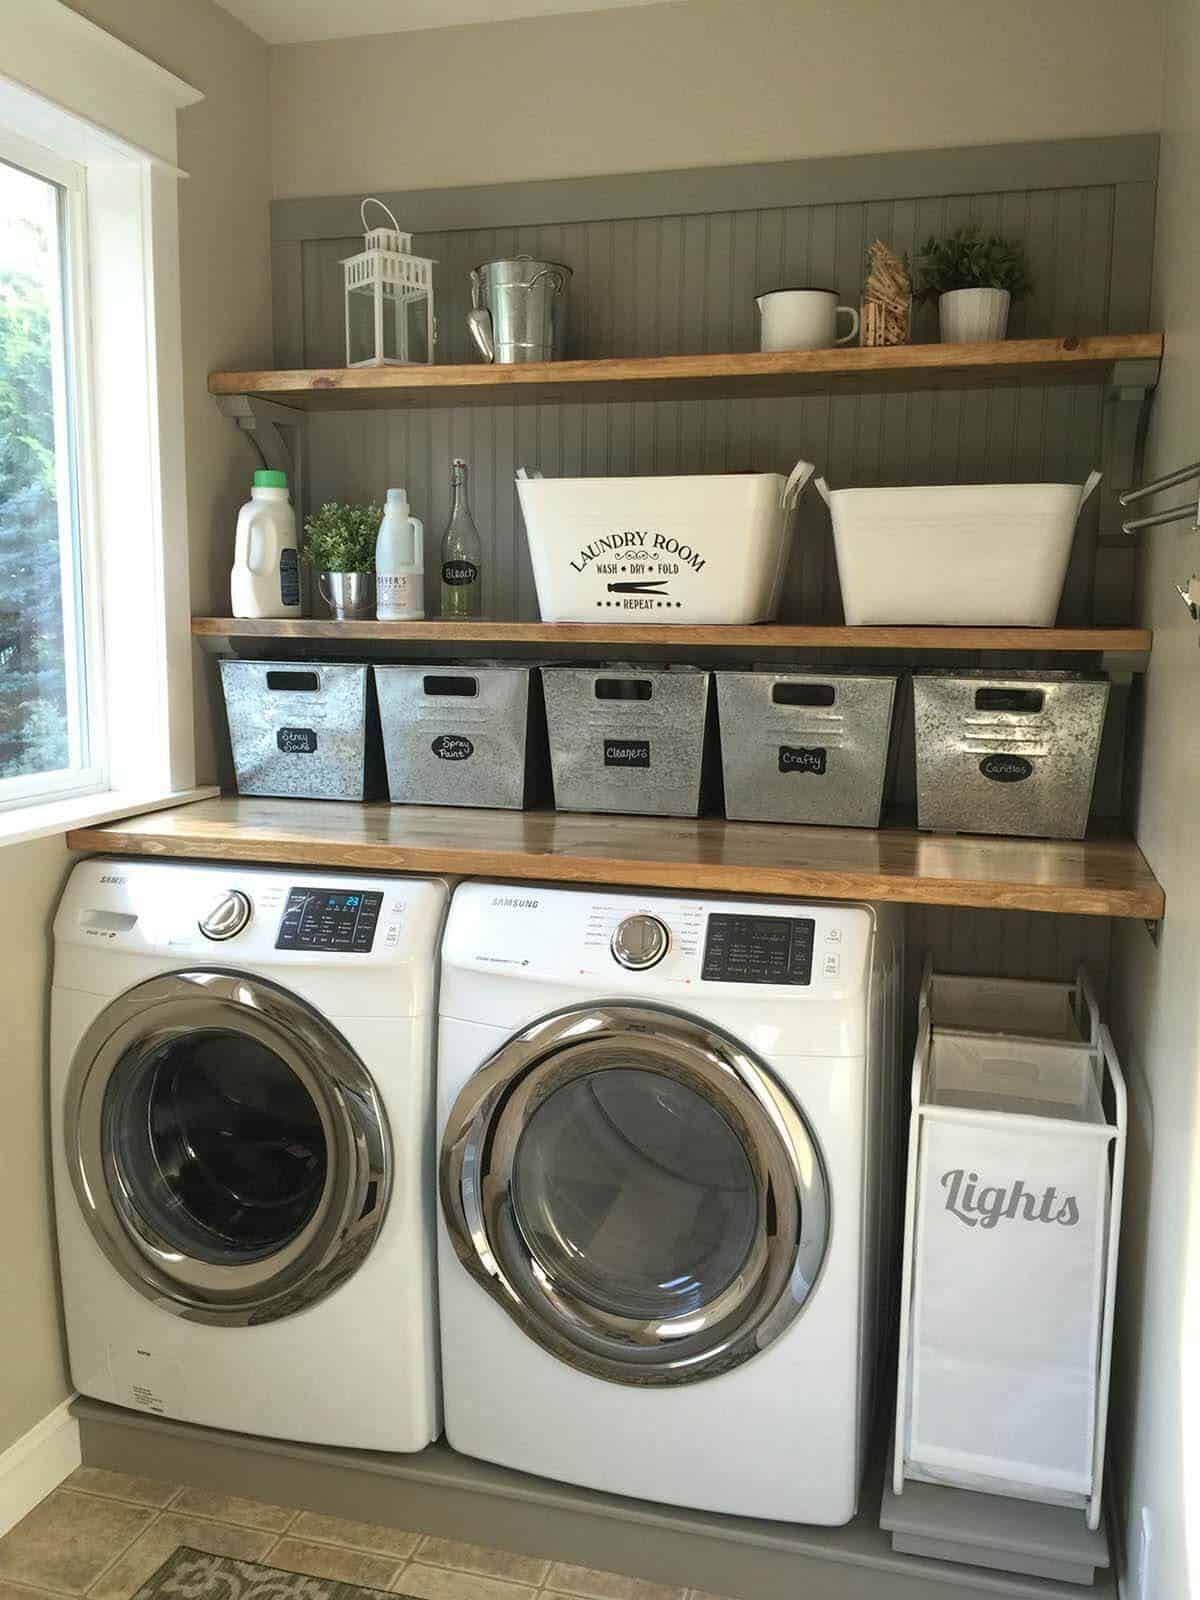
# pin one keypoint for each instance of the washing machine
(668, 1136)
(242, 1093)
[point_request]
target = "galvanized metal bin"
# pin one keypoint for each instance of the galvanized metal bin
(805, 747)
(303, 730)
(1009, 754)
(627, 738)
(463, 735)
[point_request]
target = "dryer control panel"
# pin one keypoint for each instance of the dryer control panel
(749, 949)
(324, 919)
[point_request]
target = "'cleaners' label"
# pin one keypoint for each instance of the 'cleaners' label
(457, 573)
(626, 752)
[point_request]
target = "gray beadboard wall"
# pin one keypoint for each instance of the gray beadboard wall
(671, 262)
(668, 263)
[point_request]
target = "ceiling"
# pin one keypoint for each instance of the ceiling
(298, 21)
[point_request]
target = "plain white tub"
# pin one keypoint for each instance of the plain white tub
(974, 554)
(704, 548)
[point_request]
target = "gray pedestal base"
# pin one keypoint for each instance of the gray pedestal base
(988, 1530)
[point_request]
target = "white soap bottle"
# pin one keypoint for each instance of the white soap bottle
(399, 563)
(265, 579)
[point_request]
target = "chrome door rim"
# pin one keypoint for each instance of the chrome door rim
(350, 1211)
(476, 1170)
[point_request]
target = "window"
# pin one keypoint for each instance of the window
(50, 737)
(95, 654)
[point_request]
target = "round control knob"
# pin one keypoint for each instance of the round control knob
(229, 916)
(640, 942)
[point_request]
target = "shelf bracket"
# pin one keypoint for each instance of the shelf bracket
(1128, 395)
(277, 434)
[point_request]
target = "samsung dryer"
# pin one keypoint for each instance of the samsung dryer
(242, 1090)
(668, 1144)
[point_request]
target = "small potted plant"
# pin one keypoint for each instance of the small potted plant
(974, 280)
(339, 544)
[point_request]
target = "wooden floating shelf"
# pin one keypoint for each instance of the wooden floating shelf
(1099, 877)
(870, 369)
(766, 635)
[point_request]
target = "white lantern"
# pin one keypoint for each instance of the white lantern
(389, 299)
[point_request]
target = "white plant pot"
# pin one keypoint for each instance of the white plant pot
(968, 316)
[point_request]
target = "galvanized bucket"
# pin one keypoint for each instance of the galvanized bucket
(519, 309)
(303, 730)
(462, 735)
(805, 747)
(627, 738)
(1013, 753)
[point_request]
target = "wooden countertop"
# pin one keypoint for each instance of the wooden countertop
(1096, 877)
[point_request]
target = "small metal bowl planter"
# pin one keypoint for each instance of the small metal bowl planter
(349, 595)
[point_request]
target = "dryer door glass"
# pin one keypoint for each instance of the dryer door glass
(637, 1192)
(226, 1145)
(218, 1142)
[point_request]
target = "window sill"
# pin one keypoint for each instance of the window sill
(47, 817)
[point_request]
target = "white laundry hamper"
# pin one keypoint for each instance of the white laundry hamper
(1010, 1253)
(702, 548)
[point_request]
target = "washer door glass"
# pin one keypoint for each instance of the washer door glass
(227, 1146)
(639, 1194)
(636, 1192)
(218, 1142)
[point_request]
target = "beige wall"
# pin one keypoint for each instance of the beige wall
(706, 83)
(1157, 1397)
(224, 144)
(33, 1376)
(225, 147)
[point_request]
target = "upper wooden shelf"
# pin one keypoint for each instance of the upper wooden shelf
(765, 635)
(1097, 877)
(914, 366)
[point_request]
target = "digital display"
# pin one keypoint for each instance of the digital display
(758, 949)
(325, 919)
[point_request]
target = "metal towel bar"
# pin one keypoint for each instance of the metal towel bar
(1173, 513)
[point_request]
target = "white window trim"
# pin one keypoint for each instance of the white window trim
(74, 95)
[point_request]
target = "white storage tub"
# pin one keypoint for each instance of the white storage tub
(709, 549)
(972, 555)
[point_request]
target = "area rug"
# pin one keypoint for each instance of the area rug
(195, 1575)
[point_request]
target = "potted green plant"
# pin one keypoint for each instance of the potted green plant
(974, 279)
(339, 545)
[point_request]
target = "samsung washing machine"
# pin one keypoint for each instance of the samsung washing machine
(668, 1137)
(242, 1091)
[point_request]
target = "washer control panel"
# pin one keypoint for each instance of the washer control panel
(748, 949)
(324, 919)
(640, 941)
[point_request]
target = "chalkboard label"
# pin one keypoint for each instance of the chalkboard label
(452, 747)
(799, 758)
(297, 741)
(456, 573)
(626, 752)
(1006, 769)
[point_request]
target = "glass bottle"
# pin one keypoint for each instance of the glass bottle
(461, 553)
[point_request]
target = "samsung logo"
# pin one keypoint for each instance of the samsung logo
(512, 903)
(110, 877)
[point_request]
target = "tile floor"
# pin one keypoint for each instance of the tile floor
(102, 1534)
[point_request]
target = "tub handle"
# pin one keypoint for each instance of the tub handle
(293, 682)
(794, 487)
(446, 684)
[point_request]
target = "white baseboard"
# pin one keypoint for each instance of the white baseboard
(36, 1463)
